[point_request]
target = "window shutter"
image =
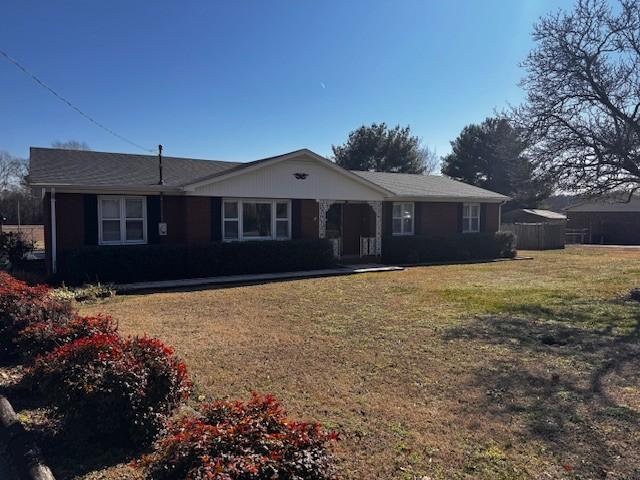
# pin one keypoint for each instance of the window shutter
(387, 218)
(296, 220)
(417, 218)
(90, 219)
(153, 218)
(216, 219)
(460, 214)
(483, 217)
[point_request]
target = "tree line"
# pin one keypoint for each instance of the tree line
(577, 132)
(18, 204)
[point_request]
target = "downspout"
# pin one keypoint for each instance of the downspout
(160, 182)
(54, 253)
(500, 215)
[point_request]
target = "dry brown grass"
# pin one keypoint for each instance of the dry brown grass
(509, 370)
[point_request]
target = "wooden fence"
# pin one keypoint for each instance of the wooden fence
(578, 235)
(537, 236)
(34, 233)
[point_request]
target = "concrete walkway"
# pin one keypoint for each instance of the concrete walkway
(598, 245)
(255, 278)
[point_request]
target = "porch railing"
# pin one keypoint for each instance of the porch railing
(367, 246)
(337, 246)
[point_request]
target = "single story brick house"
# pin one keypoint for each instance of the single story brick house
(106, 199)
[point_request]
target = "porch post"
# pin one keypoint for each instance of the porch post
(377, 208)
(323, 208)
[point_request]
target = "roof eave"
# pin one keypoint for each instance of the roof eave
(258, 164)
(451, 198)
(73, 188)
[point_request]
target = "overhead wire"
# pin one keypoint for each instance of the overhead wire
(88, 117)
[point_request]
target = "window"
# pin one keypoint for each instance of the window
(282, 220)
(402, 219)
(256, 220)
(231, 221)
(471, 217)
(122, 220)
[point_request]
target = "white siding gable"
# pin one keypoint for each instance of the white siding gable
(278, 180)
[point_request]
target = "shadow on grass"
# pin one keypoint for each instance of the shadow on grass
(74, 452)
(565, 376)
(70, 450)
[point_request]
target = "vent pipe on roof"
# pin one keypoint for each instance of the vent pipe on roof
(161, 181)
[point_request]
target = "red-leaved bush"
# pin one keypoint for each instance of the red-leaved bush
(22, 305)
(120, 390)
(45, 335)
(241, 441)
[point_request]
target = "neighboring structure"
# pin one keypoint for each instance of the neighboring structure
(533, 215)
(535, 229)
(606, 221)
(96, 198)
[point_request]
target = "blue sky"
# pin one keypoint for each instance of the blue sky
(245, 79)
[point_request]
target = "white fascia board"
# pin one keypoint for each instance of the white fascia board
(140, 190)
(305, 152)
(444, 198)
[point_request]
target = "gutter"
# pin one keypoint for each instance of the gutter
(54, 249)
(141, 189)
(443, 198)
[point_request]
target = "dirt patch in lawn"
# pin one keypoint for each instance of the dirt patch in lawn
(491, 371)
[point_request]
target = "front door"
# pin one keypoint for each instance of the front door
(351, 226)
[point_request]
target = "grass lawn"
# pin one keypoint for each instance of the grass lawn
(524, 369)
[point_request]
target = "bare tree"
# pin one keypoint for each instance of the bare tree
(430, 160)
(583, 97)
(12, 171)
(71, 145)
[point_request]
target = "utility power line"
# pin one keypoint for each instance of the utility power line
(71, 105)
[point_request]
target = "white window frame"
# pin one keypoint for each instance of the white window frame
(274, 218)
(413, 218)
(122, 200)
(467, 220)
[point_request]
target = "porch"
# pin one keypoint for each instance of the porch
(353, 227)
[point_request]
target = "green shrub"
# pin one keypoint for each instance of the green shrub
(119, 390)
(132, 263)
(14, 247)
(85, 293)
(241, 441)
(22, 305)
(466, 246)
(46, 335)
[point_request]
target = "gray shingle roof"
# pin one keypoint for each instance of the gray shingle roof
(545, 213)
(83, 168)
(607, 205)
(432, 186)
(52, 166)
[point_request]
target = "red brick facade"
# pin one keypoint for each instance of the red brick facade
(491, 217)
(308, 219)
(190, 220)
(436, 218)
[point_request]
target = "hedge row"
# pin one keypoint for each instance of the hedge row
(467, 246)
(132, 263)
(122, 391)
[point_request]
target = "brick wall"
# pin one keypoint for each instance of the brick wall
(436, 218)
(308, 219)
